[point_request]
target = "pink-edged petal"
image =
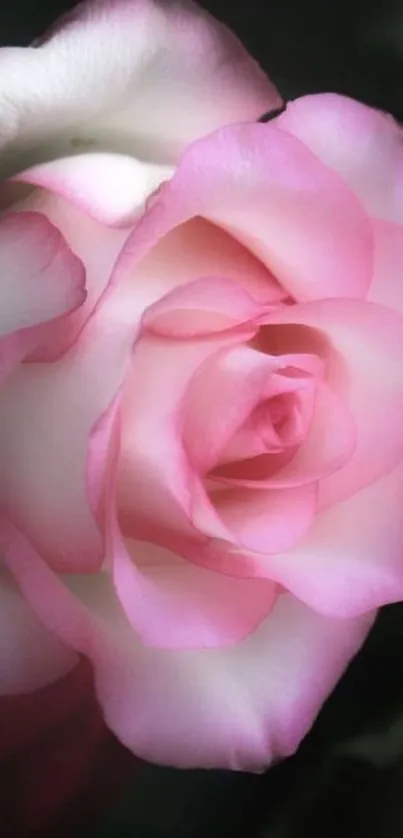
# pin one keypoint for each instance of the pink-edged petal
(45, 427)
(224, 393)
(367, 369)
(40, 276)
(363, 144)
(221, 396)
(30, 656)
(157, 483)
(111, 188)
(387, 282)
(143, 77)
(177, 605)
(206, 306)
(351, 560)
(236, 708)
(266, 520)
(330, 442)
(96, 246)
(271, 193)
(41, 280)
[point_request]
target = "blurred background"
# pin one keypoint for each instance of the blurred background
(347, 778)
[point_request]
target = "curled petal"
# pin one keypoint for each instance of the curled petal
(142, 77)
(41, 280)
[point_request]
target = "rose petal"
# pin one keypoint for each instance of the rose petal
(137, 76)
(368, 340)
(271, 193)
(30, 656)
(330, 442)
(111, 188)
(223, 394)
(40, 277)
(236, 708)
(157, 484)
(180, 605)
(205, 306)
(96, 246)
(351, 560)
(267, 520)
(386, 286)
(41, 280)
(363, 144)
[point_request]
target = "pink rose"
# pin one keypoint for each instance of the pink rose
(201, 465)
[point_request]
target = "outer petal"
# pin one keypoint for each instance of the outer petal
(111, 188)
(272, 194)
(96, 245)
(40, 280)
(236, 708)
(30, 656)
(362, 144)
(138, 76)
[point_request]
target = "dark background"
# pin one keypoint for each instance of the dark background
(347, 778)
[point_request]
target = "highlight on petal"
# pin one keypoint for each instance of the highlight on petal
(361, 143)
(143, 77)
(236, 708)
(267, 190)
(41, 280)
(111, 188)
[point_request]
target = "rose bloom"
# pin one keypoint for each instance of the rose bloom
(202, 383)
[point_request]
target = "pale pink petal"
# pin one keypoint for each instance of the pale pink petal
(330, 442)
(40, 277)
(222, 394)
(143, 77)
(236, 708)
(169, 602)
(387, 283)
(266, 520)
(30, 656)
(363, 144)
(41, 280)
(161, 260)
(176, 604)
(112, 188)
(367, 368)
(351, 560)
(271, 193)
(222, 397)
(205, 306)
(96, 246)
(157, 483)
